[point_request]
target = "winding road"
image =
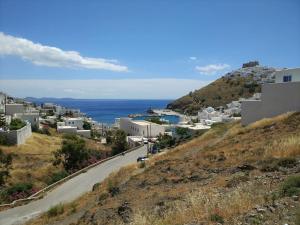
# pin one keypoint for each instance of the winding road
(70, 190)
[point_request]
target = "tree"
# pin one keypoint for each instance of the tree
(5, 162)
(165, 141)
(86, 125)
(72, 154)
(119, 143)
(109, 137)
(2, 120)
(182, 131)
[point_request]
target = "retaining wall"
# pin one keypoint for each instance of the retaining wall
(18, 136)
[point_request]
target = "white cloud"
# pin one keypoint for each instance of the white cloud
(193, 58)
(44, 55)
(97, 89)
(212, 68)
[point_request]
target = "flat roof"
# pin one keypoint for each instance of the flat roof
(141, 122)
(66, 127)
(69, 118)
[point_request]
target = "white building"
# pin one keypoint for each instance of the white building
(277, 98)
(287, 75)
(141, 128)
(11, 109)
(134, 141)
(2, 102)
(73, 128)
(74, 122)
(33, 118)
(66, 129)
(209, 114)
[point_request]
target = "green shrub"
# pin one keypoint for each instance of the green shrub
(273, 164)
(291, 186)
(20, 187)
(297, 222)
(73, 207)
(16, 124)
(57, 176)
(269, 165)
(216, 218)
(142, 164)
(56, 210)
(112, 188)
(287, 162)
(87, 125)
(103, 196)
(72, 154)
(4, 140)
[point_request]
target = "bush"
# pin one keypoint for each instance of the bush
(142, 164)
(273, 164)
(165, 141)
(16, 124)
(291, 186)
(297, 222)
(20, 187)
(287, 162)
(5, 163)
(44, 130)
(217, 218)
(57, 176)
(56, 210)
(86, 125)
(112, 188)
(119, 143)
(72, 154)
(4, 140)
(17, 191)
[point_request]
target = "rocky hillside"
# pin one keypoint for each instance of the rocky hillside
(243, 83)
(229, 175)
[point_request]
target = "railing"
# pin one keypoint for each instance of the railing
(41, 193)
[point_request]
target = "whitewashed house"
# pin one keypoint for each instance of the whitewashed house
(276, 98)
(141, 128)
(74, 122)
(11, 109)
(73, 126)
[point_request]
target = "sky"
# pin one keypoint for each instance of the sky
(139, 49)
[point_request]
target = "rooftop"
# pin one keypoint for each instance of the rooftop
(142, 122)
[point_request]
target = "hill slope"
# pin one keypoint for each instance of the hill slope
(243, 83)
(223, 176)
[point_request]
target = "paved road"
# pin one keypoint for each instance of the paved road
(70, 190)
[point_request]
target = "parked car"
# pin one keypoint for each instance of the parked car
(142, 158)
(145, 140)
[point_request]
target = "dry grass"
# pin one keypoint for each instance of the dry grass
(32, 161)
(284, 147)
(198, 206)
(269, 121)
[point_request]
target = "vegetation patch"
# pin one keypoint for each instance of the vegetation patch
(16, 124)
(57, 176)
(291, 186)
(56, 210)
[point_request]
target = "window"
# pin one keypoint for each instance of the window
(287, 78)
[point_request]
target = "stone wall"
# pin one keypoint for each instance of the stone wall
(17, 136)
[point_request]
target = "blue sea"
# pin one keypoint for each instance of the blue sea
(105, 111)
